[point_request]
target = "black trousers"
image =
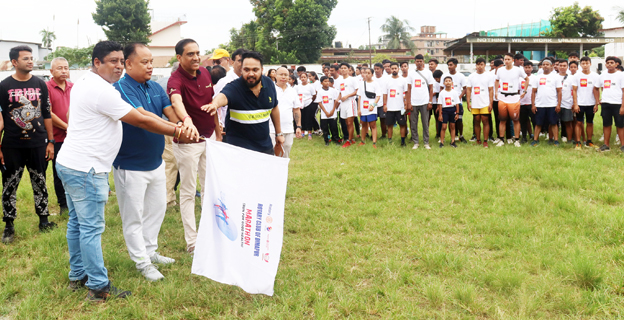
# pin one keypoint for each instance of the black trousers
(58, 184)
(308, 118)
(330, 128)
(15, 160)
(525, 115)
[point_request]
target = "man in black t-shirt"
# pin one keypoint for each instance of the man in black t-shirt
(28, 140)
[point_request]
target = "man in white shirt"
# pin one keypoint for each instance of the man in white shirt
(395, 103)
(527, 118)
(566, 115)
(382, 78)
(588, 97)
(546, 101)
(612, 85)
(459, 85)
(404, 69)
(347, 87)
(508, 82)
(85, 160)
(420, 89)
(480, 93)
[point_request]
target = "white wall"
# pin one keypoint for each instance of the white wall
(614, 49)
(5, 47)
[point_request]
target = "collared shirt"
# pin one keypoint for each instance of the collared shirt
(140, 149)
(287, 100)
(95, 132)
(229, 77)
(59, 104)
(247, 117)
(196, 92)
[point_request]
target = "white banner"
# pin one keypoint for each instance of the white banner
(240, 235)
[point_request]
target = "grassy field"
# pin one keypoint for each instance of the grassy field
(392, 233)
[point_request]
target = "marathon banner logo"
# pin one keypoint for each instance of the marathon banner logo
(607, 84)
(542, 81)
(392, 93)
(342, 87)
(325, 99)
(505, 86)
(477, 90)
(583, 83)
(448, 101)
(417, 83)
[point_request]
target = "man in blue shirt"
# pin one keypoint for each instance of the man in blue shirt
(251, 100)
(139, 170)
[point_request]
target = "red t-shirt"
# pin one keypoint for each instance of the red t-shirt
(59, 105)
(196, 92)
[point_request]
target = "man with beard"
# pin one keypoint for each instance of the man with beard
(251, 100)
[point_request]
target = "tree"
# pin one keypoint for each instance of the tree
(598, 52)
(47, 37)
(397, 34)
(620, 15)
(76, 57)
(574, 22)
(378, 58)
(124, 21)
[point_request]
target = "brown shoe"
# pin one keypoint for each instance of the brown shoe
(106, 293)
(77, 284)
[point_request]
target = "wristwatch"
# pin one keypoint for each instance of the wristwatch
(298, 127)
(52, 141)
(279, 134)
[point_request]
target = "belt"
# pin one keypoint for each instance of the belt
(507, 94)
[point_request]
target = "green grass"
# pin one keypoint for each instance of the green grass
(392, 233)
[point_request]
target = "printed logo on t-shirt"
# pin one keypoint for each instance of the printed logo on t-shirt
(365, 104)
(584, 83)
(342, 87)
(542, 81)
(505, 86)
(392, 93)
(417, 83)
(300, 97)
(477, 90)
(607, 84)
(523, 84)
(325, 99)
(448, 101)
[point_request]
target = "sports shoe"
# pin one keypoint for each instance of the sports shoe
(556, 143)
(534, 143)
(346, 144)
(415, 146)
(8, 235)
(601, 138)
(374, 146)
(106, 293)
(361, 144)
(617, 139)
(517, 143)
(403, 144)
(77, 284)
(326, 143)
(564, 139)
(190, 250)
(500, 143)
(496, 141)
(453, 145)
(473, 139)
(478, 142)
(157, 258)
(603, 148)
(441, 144)
(577, 146)
(427, 146)
(490, 139)
(622, 148)
(523, 140)
(43, 227)
(439, 141)
(462, 139)
(151, 273)
(509, 141)
(589, 144)
(485, 144)
(456, 138)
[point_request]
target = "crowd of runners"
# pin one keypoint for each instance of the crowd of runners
(557, 99)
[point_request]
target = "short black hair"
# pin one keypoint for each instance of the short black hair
(130, 49)
(620, 68)
(434, 60)
(217, 73)
(586, 58)
(518, 56)
(511, 55)
(394, 64)
(365, 65)
(179, 48)
(447, 77)
(404, 62)
(563, 60)
(385, 61)
(453, 61)
(312, 73)
(573, 54)
(611, 58)
(238, 52)
(344, 64)
(323, 78)
(335, 67)
(480, 60)
(438, 74)
(296, 82)
(528, 62)
(331, 80)
(253, 55)
(104, 48)
(419, 57)
(498, 62)
(301, 69)
(573, 62)
(325, 64)
(378, 65)
(14, 52)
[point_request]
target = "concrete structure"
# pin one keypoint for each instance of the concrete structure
(163, 39)
(38, 51)
(333, 55)
(428, 41)
(614, 49)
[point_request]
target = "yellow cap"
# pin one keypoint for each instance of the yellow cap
(219, 53)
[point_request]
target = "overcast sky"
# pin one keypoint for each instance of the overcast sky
(209, 22)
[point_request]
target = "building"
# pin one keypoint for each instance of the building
(337, 55)
(38, 51)
(614, 49)
(430, 42)
(163, 39)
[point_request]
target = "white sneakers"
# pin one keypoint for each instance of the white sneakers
(564, 139)
(517, 143)
(496, 141)
(500, 143)
(151, 273)
(427, 147)
(156, 258)
(415, 146)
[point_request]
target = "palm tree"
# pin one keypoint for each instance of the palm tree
(47, 37)
(620, 15)
(397, 33)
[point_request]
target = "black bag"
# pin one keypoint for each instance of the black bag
(370, 95)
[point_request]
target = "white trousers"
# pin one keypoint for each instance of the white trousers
(288, 142)
(191, 159)
(142, 200)
(171, 169)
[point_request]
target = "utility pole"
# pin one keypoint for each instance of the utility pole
(370, 50)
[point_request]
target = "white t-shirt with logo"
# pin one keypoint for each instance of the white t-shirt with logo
(448, 99)
(382, 84)
(395, 91)
(327, 98)
(611, 84)
(546, 85)
(524, 86)
(436, 89)
(508, 82)
(420, 86)
(366, 101)
(567, 100)
(459, 81)
(480, 85)
(305, 94)
(585, 84)
(346, 87)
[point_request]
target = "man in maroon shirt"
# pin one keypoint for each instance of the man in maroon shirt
(190, 88)
(58, 90)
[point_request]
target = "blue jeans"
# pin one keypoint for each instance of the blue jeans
(86, 193)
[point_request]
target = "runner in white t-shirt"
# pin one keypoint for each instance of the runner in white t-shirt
(307, 95)
(404, 69)
(480, 94)
(347, 87)
(327, 99)
(459, 85)
(527, 117)
(546, 101)
(566, 115)
(612, 84)
(381, 78)
(508, 82)
(448, 109)
(588, 97)
(396, 106)
(420, 90)
(369, 95)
